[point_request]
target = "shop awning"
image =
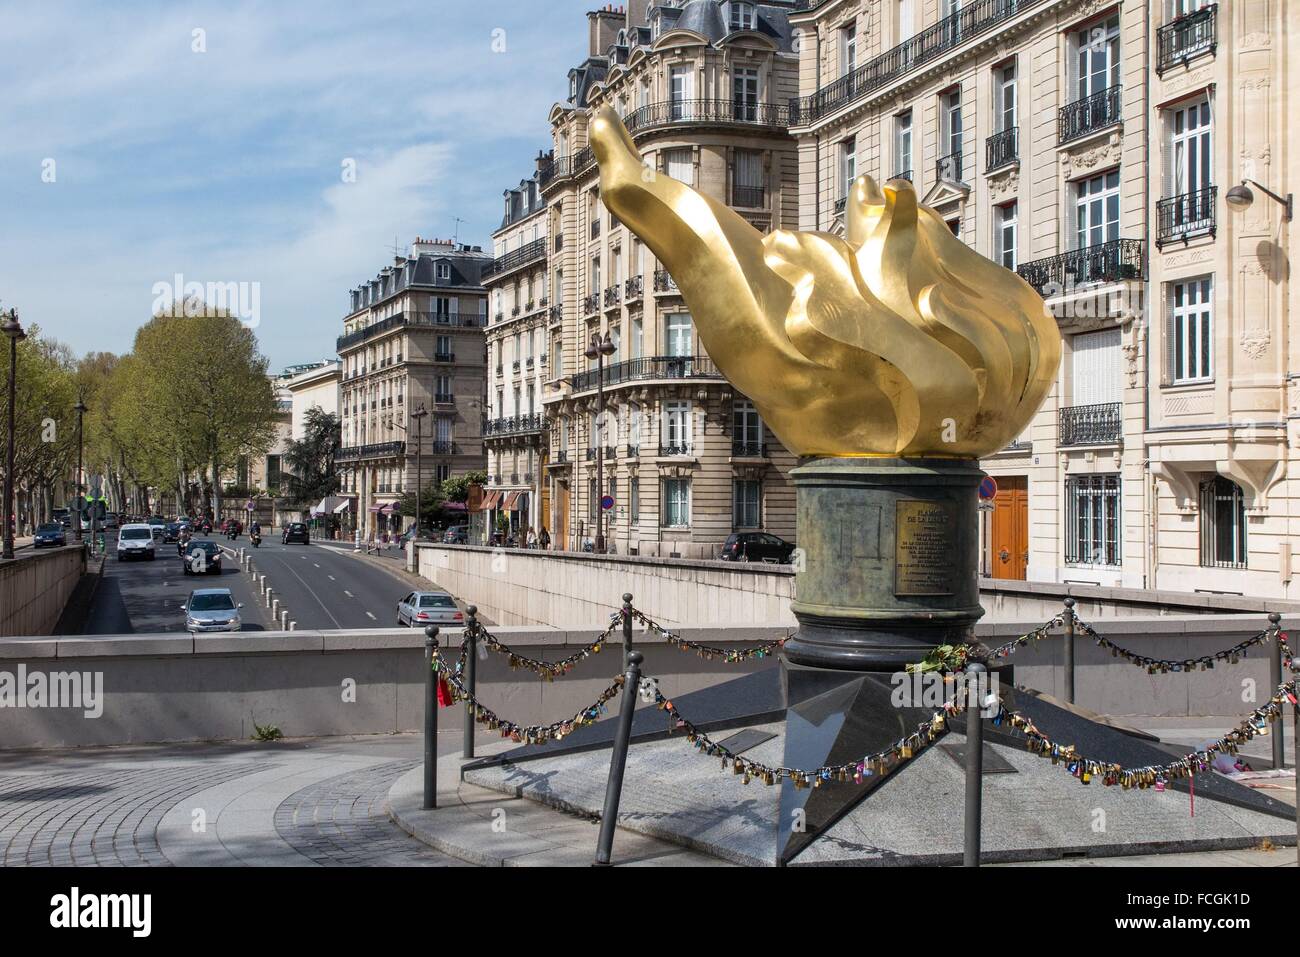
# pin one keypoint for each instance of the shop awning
(455, 507)
(330, 504)
(512, 501)
(490, 500)
(383, 508)
(342, 506)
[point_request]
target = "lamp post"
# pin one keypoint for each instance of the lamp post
(81, 410)
(1240, 197)
(418, 415)
(13, 330)
(598, 349)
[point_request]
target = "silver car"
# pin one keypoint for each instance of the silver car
(429, 608)
(212, 609)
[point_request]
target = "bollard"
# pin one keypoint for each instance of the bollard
(627, 628)
(284, 619)
(430, 720)
(275, 608)
(293, 626)
(1068, 645)
(974, 764)
(618, 760)
(1275, 679)
(471, 646)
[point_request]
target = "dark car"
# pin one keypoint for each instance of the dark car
(296, 532)
(201, 557)
(756, 547)
(171, 532)
(456, 535)
(49, 535)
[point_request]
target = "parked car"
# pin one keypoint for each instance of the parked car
(201, 557)
(111, 520)
(135, 541)
(212, 609)
(63, 516)
(456, 535)
(756, 547)
(429, 608)
(171, 532)
(296, 532)
(50, 535)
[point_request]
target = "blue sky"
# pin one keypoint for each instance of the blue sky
(226, 165)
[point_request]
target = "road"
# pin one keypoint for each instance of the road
(322, 586)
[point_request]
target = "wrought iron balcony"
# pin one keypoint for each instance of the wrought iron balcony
(840, 205)
(905, 174)
(444, 357)
(562, 456)
(379, 450)
(664, 282)
(749, 450)
(1090, 114)
(971, 21)
(404, 320)
(649, 367)
(591, 455)
(675, 449)
(632, 288)
(611, 452)
(514, 478)
(633, 450)
(514, 366)
(749, 197)
(527, 424)
(595, 229)
(1002, 148)
(948, 167)
(1116, 261)
(523, 256)
(557, 312)
(676, 112)
(1186, 37)
(440, 397)
(1185, 216)
(514, 311)
(556, 170)
(501, 370)
(1089, 424)
(591, 304)
(443, 448)
(612, 297)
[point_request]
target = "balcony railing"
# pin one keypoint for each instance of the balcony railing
(591, 304)
(1002, 148)
(514, 366)
(612, 297)
(1185, 216)
(650, 367)
(380, 450)
(444, 357)
(674, 112)
(1115, 261)
(971, 21)
(675, 449)
(523, 256)
(633, 450)
(443, 448)
(749, 197)
(749, 450)
(404, 320)
(840, 205)
(516, 425)
(595, 229)
(632, 288)
(905, 174)
(948, 167)
(1089, 424)
(440, 397)
(565, 166)
(664, 282)
(591, 455)
(1090, 114)
(557, 312)
(1189, 36)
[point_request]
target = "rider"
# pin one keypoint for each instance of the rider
(255, 528)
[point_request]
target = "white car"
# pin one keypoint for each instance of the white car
(212, 609)
(135, 541)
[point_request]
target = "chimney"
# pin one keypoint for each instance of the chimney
(604, 25)
(638, 14)
(429, 247)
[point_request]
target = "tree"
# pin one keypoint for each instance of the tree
(310, 462)
(430, 502)
(456, 488)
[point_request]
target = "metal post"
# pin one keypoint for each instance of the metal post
(418, 415)
(430, 720)
(81, 408)
(471, 646)
(974, 764)
(627, 628)
(618, 760)
(1068, 618)
(1275, 679)
(14, 332)
(600, 454)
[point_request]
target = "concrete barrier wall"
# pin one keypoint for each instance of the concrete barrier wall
(524, 587)
(168, 688)
(34, 588)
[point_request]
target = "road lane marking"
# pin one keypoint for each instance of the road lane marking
(370, 616)
(289, 569)
(348, 593)
(315, 564)
(331, 577)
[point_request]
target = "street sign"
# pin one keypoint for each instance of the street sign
(988, 489)
(607, 502)
(249, 507)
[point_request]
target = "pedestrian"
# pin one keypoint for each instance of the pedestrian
(530, 541)
(544, 539)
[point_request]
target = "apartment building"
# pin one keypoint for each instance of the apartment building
(1088, 145)
(519, 304)
(412, 343)
(703, 87)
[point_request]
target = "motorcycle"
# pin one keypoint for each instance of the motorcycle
(256, 539)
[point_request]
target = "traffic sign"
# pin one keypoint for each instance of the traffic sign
(249, 507)
(988, 489)
(607, 502)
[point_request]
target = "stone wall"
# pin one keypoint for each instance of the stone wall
(34, 588)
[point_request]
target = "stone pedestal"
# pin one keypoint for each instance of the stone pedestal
(890, 560)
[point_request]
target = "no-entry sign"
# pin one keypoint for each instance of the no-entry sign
(988, 489)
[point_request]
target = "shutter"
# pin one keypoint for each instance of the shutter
(1096, 367)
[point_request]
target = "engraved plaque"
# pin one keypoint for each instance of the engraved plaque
(925, 548)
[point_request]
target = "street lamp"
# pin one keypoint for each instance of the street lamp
(598, 349)
(1240, 197)
(14, 331)
(80, 408)
(418, 415)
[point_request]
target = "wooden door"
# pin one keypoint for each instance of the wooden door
(1010, 535)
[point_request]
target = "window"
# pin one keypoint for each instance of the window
(746, 429)
(592, 505)
(848, 165)
(745, 497)
(444, 270)
(1096, 364)
(634, 338)
(444, 430)
(1223, 524)
(634, 500)
(744, 94)
(848, 49)
(1092, 534)
(742, 16)
(906, 20)
(1188, 164)
(1098, 58)
(748, 178)
(441, 473)
(903, 145)
(950, 136)
(594, 283)
(442, 346)
(677, 428)
(634, 427)
(678, 334)
(1004, 100)
(680, 90)
(1004, 239)
(680, 165)
(1096, 211)
(1191, 330)
(677, 503)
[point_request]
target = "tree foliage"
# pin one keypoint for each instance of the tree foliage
(310, 462)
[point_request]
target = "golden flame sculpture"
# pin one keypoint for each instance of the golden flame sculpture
(897, 341)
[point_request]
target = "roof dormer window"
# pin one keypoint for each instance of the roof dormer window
(444, 271)
(741, 15)
(573, 86)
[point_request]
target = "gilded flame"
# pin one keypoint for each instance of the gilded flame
(897, 340)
